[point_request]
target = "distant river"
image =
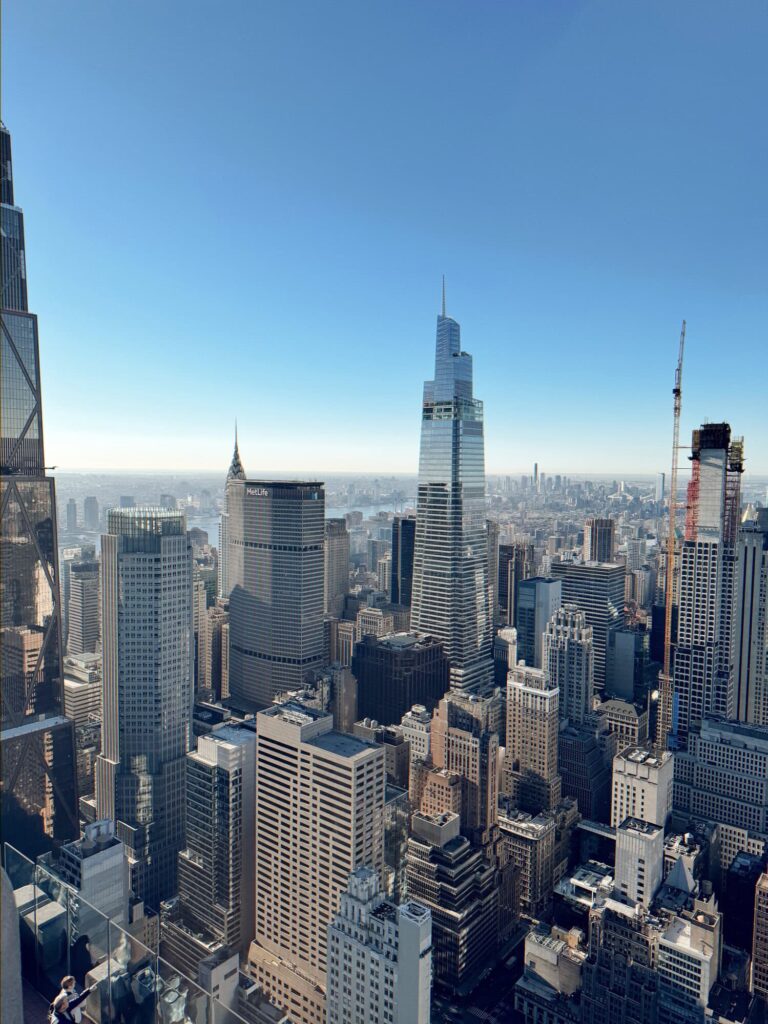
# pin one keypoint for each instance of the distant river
(210, 523)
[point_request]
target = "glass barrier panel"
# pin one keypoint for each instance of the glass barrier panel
(126, 981)
(180, 1000)
(51, 930)
(21, 872)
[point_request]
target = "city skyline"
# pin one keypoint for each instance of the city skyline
(332, 745)
(505, 218)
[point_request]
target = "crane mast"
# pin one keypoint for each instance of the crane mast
(666, 688)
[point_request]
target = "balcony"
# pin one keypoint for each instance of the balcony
(61, 934)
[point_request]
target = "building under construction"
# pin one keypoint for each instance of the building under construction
(703, 682)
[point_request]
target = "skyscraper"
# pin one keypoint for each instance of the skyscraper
(276, 534)
(703, 677)
(599, 540)
(216, 897)
(516, 563)
(568, 656)
(319, 804)
(760, 939)
(597, 588)
(83, 610)
(235, 481)
(537, 601)
(380, 951)
(397, 671)
(71, 515)
(750, 635)
(451, 594)
(91, 513)
(530, 764)
(492, 537)
(39, 791)
(336, 565)
(148, 668)
(455, 881)
(403, 541)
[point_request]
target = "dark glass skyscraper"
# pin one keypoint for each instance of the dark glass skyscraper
(276, 539)
(451, 593)
(403, 541)
(39, 793)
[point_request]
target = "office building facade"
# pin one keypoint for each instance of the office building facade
(403, 545)
(215, 905)
(723, 777)
(451, 594)
(336, 565)
(750, 634)
(319, 804)
(276, 568)
(379, 957)
(642, 785)
(537, 601)
(454, 880)
(516, 563)
(39, 788)
(395, 672)
(599, 540)
(83, 609)
(597, 589)
(148, 672)
(530, 772)
(703, 676)
(568, 657)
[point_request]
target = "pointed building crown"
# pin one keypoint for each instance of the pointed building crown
(236, 471)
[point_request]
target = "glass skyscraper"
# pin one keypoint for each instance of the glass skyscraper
(148, 670)
(451, 597)
(39, 793)
(276, 568)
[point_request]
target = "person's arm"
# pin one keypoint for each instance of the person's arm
(79, 999)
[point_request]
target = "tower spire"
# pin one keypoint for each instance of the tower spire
(443, 294)
(236, 471)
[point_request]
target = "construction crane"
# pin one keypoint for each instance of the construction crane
(666, 687)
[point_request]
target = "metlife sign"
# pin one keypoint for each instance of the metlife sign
(257, 492)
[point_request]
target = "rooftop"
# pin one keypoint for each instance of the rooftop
(645, 755)
(645, 828)
(342, 744)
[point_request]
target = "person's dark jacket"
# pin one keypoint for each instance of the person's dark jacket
(65, 1016)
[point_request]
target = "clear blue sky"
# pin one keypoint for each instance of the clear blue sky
(244, 208)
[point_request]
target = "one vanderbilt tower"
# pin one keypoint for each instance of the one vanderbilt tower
(451, 595)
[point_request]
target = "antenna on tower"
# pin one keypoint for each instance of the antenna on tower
(664, 720)
(443, 294)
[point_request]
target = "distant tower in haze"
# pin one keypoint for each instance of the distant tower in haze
(336, 565)
(451, 596)
(235, 479)
(71, 515)
(39, 792)
(599, 540)
(148, 669)
(91, 513)
(83, 610)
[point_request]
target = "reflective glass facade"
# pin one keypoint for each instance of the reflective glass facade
(451, 598)
(276, 561)
(148, 668)
(39, 797)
